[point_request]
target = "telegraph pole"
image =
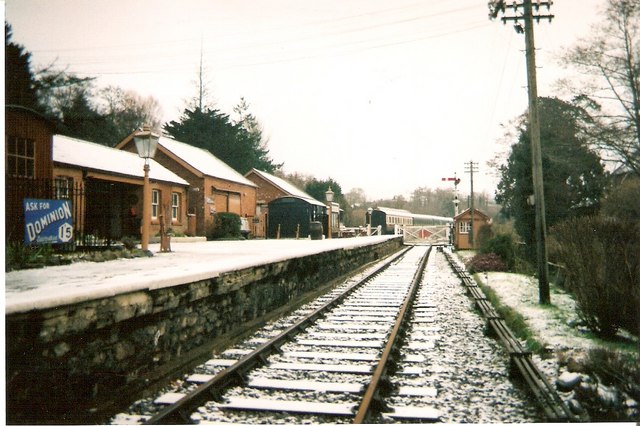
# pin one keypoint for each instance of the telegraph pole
(470, 168)
(534, 128)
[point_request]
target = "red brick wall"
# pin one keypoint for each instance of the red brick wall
(266, 190)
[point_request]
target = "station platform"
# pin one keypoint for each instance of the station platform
(116, 328)
(38, 289)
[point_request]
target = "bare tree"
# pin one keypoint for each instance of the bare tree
(127, 110)
(610, 57)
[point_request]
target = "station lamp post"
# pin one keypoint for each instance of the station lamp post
(369, 212)
(329, 195)
(146, 143)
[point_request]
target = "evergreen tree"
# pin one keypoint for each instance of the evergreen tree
(105, 116)
(212, 130)
(574, 178)
(79, 119)
(20, 84)
(252, 136)
(318, 190)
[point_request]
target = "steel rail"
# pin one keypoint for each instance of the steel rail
(371, 400)
(180, 411)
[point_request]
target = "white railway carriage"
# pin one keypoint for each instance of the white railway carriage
(388, 219)
(419, 227)
(427, 219)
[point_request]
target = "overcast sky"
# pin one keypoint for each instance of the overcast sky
(381, 95)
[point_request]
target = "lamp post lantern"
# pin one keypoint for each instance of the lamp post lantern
(146, 143)
(329, 195)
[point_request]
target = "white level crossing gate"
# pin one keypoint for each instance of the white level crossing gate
(426, 234)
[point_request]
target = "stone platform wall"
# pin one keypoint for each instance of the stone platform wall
(77, 363)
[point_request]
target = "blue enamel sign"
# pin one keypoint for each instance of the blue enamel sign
(47, 221)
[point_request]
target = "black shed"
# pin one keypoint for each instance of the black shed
(292, 216)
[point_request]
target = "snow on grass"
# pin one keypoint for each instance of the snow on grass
(553, 325)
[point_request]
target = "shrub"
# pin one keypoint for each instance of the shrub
(485, 233)
(612, 368)
(129, 242)
(486, 262)
(225, 225)
(602, 260)
(20, 256)
(623, 201)
(502, 245)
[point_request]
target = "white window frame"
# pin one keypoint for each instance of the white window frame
(62, 187)
(175, 206)
(464, 226)
(155, 203)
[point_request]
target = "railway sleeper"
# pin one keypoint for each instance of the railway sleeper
(264, 404)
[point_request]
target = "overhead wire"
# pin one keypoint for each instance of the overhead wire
(172, 61)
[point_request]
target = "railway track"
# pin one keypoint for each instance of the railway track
(316, 355)
(391, 345)
(521, 362)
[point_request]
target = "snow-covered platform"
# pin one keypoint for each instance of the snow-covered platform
(91, 325)
(35, 289)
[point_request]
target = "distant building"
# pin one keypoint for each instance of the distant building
(462, 228)
(213, 185)
(269, 188)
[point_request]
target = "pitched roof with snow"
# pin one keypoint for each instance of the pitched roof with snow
(81, 153)
(282, 184)
(468, 211)
(203, 161)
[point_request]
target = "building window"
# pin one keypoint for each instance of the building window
(464, 227)
(175, 206)
(63, 187)
(155, 203)
(21, 157)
